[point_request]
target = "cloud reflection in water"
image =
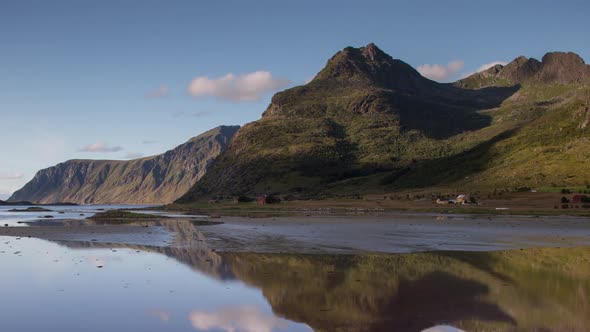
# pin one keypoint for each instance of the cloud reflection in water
(242, 318)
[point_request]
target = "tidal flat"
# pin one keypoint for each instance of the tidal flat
(407, 272)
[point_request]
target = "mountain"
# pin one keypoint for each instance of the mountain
(554, 68)
(157, 179)
(370, 123)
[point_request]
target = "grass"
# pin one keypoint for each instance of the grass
(31, 209)
(123, 215)
(515, 203)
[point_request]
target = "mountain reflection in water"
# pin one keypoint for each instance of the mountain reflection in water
(519, 290)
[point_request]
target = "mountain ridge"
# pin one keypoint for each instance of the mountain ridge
(155, 179)
(368, 122)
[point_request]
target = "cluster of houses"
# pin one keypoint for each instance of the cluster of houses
(460, 199)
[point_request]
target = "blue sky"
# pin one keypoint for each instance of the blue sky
(119, 79)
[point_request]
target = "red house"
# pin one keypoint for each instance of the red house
(577, 199)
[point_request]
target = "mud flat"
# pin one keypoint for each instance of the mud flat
(395, 233)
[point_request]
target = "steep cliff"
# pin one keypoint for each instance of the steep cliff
(157, 179)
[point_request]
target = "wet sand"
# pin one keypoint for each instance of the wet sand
(127, 234)
(393, 233)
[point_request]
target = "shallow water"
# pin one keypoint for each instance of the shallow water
(89, 286)
(50, 287)
(58, 212)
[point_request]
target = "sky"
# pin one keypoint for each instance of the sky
(85, 79)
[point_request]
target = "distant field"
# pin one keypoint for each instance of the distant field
(580, 189)
(506, 203)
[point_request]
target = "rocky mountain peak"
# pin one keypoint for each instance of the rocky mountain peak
(554, 68)
(369, 65)
(373, 53)
(520, 69)
(563, 68)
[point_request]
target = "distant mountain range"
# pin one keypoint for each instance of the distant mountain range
(157, 179)
(367, 123)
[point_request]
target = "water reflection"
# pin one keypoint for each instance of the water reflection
(522, 290)
(243, 318)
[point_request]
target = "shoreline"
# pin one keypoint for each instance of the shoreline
(510, 204)
(330, 234)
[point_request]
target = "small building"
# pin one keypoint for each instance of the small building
(261, 200)
(578, 199)
(462, 199)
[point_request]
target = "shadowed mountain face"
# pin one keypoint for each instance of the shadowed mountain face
(371, 123)
(157, 179)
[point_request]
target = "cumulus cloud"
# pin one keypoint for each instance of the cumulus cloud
(100, 146)
(440, 72)
(236, 88)
(490, 65)
(161, 92)
(133, 155)
(484, 67)
(12, 176)
(244, 318)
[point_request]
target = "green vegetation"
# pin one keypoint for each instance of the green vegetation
(31, 209)
(123, 215)
(370, 124)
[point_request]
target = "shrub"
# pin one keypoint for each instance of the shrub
(523, 189)
(271, 199)
(245, 199)
(564, 200)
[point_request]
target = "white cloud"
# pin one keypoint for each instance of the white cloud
(133, 155)
(440, 72)
(161, 92)
(244, 318)
(490, 65)
(484, 67)
(248, 87)
(12, 176)
(100, 146)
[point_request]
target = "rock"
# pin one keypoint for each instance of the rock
(157, 179)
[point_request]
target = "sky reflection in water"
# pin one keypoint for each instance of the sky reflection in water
(96, 287)
(49, 287)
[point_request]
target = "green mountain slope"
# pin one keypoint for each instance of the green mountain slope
(368, 122)
(157, 179)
